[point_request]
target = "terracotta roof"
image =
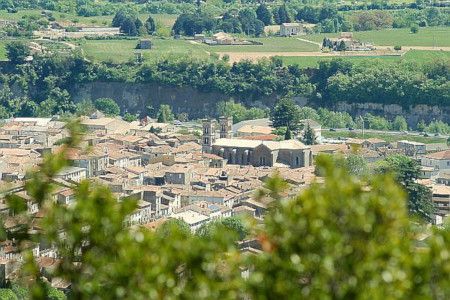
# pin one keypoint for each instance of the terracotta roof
(263, 137)
(442, 155)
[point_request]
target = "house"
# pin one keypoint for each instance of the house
(374, 143)
(178, 174)
(95, 161)
(443, 178)
(439, 160)
(411, 148)
(346, 42)
(441, 199)
(72, 173)
(106, 125)
(290, 29)
(222, 38)
(194, 219)
(66, 196)
(142, 215)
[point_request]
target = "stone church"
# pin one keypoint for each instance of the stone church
(217, 139)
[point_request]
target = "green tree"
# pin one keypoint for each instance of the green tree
(17, 52)
(283, 15)
(287, 134)
(400, 123)
(239, 112)
(54, 294)
(150, 25)
(308, 113)
(85, 108)
(358, 254)
(263, 14)
(108, 106)
(165, 114)
(7, 294)
(129, 27)
(286, 114)
(309, 136)
(414, 28)
(421, 126)
(130, 117)
(407, 171)
(355, 164)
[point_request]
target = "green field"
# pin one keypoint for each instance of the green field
(165, 19)
(123, 50)
(384, 136)
(426, 37)
(419, 56)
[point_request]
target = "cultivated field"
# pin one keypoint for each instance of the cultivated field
(426, 37)
(418, 56)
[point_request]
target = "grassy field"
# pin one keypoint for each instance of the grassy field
(123, 50)
(426, 37)
(165, 19)
(419, 56)
(115, 50)
(384, 136)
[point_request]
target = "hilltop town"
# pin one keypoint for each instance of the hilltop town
(210, 171)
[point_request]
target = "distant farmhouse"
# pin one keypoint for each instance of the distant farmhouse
(222, 38)
(346, 42)
(290, 29)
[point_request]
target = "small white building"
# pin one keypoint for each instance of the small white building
(290, 29)
(194, 219)
(412, 148)
(439, 160)
(72, 173)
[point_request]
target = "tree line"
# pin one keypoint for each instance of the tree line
(48, 79)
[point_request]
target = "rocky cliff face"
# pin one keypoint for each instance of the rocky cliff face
(413, 114)
(136, 98)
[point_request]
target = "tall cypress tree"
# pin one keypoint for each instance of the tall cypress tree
(283, 15)
(263, 14)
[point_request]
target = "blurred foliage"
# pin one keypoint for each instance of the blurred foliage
(347, 238)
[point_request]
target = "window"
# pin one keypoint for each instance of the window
(297, 161)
